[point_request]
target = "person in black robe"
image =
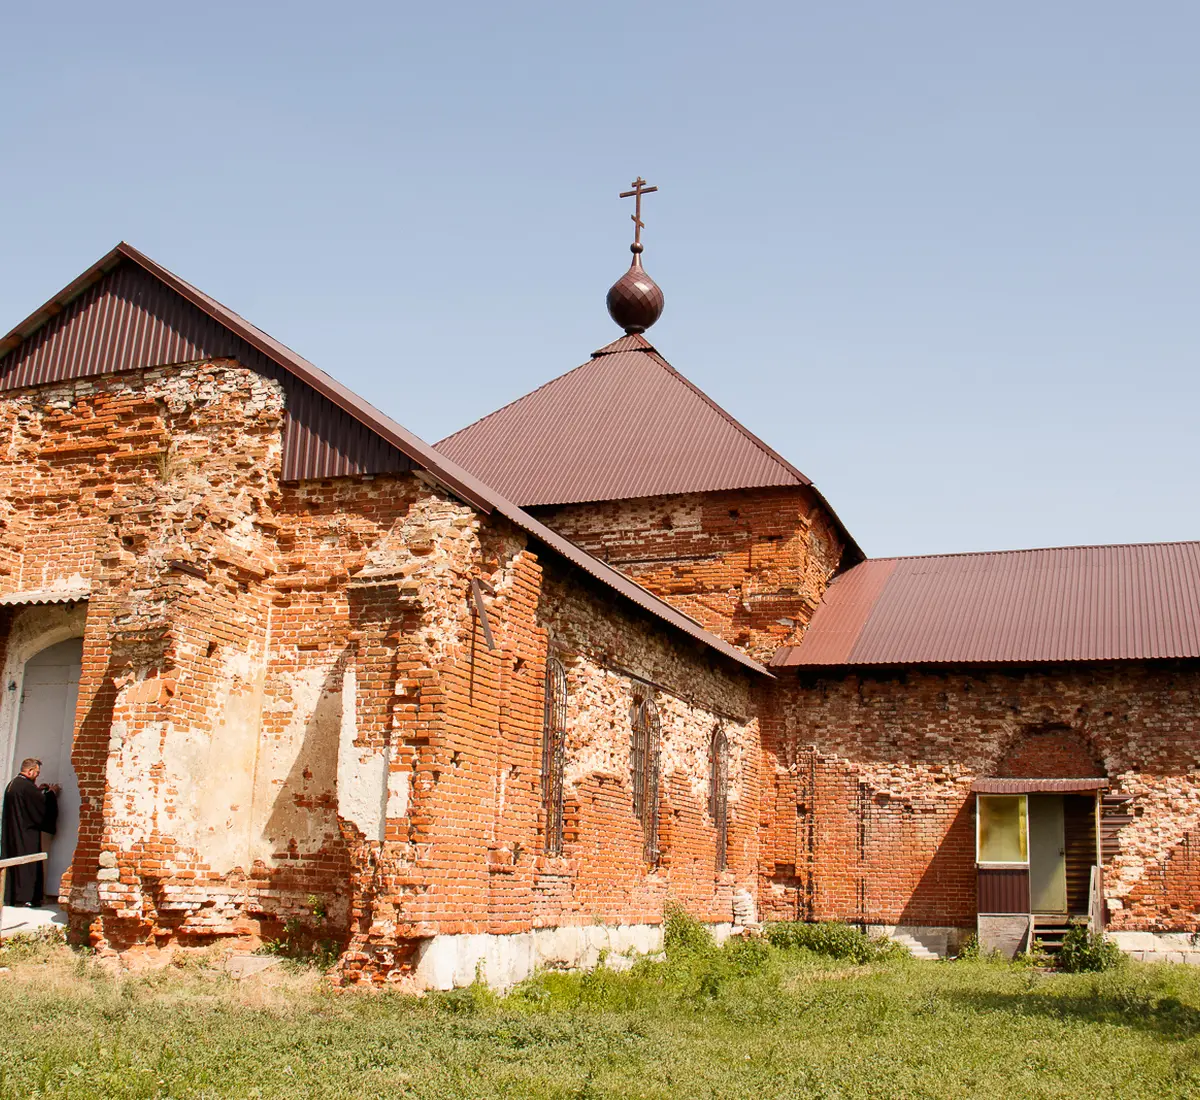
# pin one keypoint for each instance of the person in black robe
(29, 811)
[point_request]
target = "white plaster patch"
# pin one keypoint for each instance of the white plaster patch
(362, 778)
(444, 962)
(134, 798)
(398, 787)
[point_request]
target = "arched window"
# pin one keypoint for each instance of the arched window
(554, 753)
(644, 765)
(718, 791)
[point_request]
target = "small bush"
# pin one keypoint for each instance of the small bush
(471, 1000)
(1084, 950)
(746, 955)
(301, 941)
(970, 948)
(684, 935)
(834, 940)
(883, 949)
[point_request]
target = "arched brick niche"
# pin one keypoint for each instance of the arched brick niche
(1050, 752)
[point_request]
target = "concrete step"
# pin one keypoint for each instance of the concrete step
(918, 949)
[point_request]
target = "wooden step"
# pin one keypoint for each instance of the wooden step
(1048, 932)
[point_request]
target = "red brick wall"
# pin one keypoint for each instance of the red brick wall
(474, 859)
(750, 565)
(286, 690)
(870, 815)
(1050, 754)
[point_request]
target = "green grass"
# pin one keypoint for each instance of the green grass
(759, 1022)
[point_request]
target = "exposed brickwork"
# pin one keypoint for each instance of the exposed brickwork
(750, 565)
(871, 817)
(1050, 754)
(286, 690)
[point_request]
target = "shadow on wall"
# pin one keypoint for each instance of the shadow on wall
(1049, 750)
(309, 850)
(945, 894)
(90, 749)
(304, 808)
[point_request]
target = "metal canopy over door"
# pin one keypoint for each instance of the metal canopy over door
(45, 729)
(1047, 854)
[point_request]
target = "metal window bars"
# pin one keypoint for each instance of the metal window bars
(554, 753)
(644, 763)
(718, 791)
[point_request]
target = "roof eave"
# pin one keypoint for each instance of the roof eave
(782, 660)
(403, 440)
(62, 299)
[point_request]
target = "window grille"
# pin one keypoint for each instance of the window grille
(554, 753)
(647, 733)
(718, 791)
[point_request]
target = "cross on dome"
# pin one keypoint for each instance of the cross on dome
(639, 189)
(635, 301)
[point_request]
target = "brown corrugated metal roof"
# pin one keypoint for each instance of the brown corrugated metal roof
(122, 315)
(1072, 603)
(1034, 786)
(110, 319)
(625, 424)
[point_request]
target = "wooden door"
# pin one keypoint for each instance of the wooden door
(1047, 854)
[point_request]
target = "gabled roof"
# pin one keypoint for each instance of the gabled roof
(1071, 603)
(624, 424)
(126, 312)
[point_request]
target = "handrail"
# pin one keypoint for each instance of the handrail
(1096, 899)
(16, 861)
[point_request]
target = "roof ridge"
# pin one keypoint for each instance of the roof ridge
(1032, 550)
(662, 362)
(640, 343)
(766, 448)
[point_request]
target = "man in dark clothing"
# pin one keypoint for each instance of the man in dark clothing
(29, 811)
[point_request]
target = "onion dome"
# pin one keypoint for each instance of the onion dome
(635, 301)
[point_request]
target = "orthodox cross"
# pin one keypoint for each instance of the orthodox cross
(639, 189)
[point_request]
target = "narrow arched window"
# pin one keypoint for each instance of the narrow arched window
(554, 753)
(644, 766)
(718, 791)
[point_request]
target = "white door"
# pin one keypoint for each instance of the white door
(45, 729)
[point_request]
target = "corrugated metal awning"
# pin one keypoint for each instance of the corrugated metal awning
(1035, 786)
(70, 593)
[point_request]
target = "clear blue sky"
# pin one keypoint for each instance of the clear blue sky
(944, 256)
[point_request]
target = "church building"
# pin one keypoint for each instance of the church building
(492, 704)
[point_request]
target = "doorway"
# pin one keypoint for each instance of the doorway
(1047, 854)
(46, 730)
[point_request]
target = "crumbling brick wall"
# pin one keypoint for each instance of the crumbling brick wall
(286, 689)
(750, 565)
(870, 817)
(467, 854)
